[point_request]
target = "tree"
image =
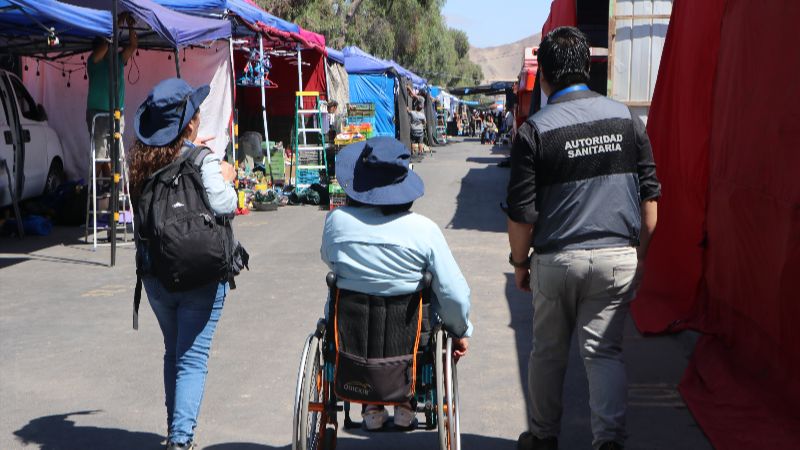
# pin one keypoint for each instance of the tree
(411, 32)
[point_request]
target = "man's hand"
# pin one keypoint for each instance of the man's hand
(228, 172)
(522, 278)
(460, 346)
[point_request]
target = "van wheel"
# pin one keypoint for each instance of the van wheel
(55, 177)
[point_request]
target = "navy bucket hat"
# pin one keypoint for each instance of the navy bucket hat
(376, 172)
(167, 110)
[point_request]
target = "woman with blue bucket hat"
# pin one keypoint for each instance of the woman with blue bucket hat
(166, 127)
(377, 246)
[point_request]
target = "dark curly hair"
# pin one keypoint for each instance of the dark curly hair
(145, 160)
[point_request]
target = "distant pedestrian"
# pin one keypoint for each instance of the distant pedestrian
(582, 192)
(166, 130)
(417, 130)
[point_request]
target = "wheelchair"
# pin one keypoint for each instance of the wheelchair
(331, 376)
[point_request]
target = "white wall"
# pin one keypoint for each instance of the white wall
(637, 50)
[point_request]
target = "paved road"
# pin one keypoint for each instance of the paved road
(75, 376)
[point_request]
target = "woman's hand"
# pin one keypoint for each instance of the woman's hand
(460, 346)
(228, 172)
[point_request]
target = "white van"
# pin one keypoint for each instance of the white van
(31, 149)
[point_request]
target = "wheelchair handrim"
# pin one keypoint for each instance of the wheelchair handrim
(298, 394)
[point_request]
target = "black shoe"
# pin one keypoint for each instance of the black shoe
(174, 446)
(528, 441)
(611, 445)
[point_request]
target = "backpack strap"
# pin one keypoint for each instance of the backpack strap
(197, 154)
(137, 298)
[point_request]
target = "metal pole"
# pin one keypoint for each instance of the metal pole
(114, 132)
(177, 63)
(264, 99)
(234, 128)
(299, 69)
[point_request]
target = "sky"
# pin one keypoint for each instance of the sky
(489, 23)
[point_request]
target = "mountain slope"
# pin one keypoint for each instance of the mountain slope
(502, 63)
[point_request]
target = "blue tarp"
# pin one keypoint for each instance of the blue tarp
(245, 10)
(22, 18)
(416, 80)
(177, 29)
(377, 89)
(335, 55)
(359, 61)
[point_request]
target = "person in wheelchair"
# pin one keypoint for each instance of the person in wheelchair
(376, 246)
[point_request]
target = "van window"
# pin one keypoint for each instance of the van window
(26, 104)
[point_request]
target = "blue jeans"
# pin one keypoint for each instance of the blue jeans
(187, 320)
(587, 292)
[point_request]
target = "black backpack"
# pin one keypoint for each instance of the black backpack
(187, 245)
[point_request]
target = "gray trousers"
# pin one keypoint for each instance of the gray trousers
(588, 291)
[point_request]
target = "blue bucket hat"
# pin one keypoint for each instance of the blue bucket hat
(376, 172)
(167, 110)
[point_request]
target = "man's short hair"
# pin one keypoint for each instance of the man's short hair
(333, 104)
(564, 57)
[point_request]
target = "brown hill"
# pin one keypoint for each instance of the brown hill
(502, 63)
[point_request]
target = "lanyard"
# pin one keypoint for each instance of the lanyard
(567, 90)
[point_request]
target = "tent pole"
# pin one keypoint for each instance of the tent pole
(299, 68)
(113, 131)
(177, 63)
(233, 103)
(264, 99)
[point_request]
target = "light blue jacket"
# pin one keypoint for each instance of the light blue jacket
(221, 195)
(387, 255)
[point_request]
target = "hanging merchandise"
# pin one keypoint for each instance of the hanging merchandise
(256, 70)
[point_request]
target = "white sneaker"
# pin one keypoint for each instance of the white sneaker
(403, 416)
(375, 417)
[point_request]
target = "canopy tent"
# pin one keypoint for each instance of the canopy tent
(251, 15)
(29, 26)
(335, 55)
(372, 80)
(296, 57)
(338, 79)
(174, 28)
(726, 259)
(60, 86)
(496, 88)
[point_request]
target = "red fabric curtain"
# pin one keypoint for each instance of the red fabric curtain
(562, 13)
(726, 257)
(280, 100)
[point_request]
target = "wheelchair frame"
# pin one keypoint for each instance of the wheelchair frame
(316, 406)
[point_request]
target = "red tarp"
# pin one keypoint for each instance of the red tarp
(724, 125)
(562, 13)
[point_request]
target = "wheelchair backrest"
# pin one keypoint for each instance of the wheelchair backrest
(377, 340)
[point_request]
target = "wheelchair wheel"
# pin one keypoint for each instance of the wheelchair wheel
(309, 419)
(446, 394)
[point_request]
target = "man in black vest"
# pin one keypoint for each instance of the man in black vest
(582, 193)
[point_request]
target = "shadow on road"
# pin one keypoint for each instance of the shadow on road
(243, 446)
(58, 432)
(520, 307)
(421, 440)
(18, 250)
(478, 201)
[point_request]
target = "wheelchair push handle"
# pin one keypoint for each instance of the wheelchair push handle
(427, 280)
(330, 280)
